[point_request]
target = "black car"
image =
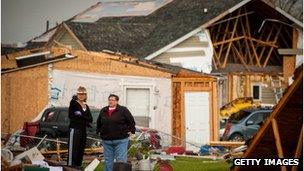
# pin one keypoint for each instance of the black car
(55, 123)
(244, 124)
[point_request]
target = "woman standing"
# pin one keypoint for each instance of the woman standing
(115, 123)
(80, 116)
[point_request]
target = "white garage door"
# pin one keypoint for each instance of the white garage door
(138, 102)
(197, 117)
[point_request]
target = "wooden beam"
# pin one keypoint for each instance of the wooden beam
(224, 37)
(278, 141)
(277, 138)
(247, 45)
(298, 149)
(251, 43)
(230, 43)
(218, 31)
(271, 44)
(299, 145)
(215, 113)
(294, 38)
(271, 49)
(215, 59)
(263, 49)
(240, 57)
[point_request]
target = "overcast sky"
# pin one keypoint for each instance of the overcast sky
(22, 20)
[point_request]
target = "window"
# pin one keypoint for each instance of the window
(49, 117)
(256, 92)
(257, 118)
(138, 102)
(95, 114)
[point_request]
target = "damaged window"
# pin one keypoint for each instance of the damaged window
(49, 117)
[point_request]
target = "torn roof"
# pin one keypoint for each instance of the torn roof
(140, 36)
(120, 9)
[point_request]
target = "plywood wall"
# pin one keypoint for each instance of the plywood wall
(24, 94)
(102, 63)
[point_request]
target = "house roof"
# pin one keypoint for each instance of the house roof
(60, 54)
(140, 36)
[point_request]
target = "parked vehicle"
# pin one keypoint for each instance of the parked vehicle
(55, 124)
(244, 124)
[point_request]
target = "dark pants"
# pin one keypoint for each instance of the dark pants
(77, 143)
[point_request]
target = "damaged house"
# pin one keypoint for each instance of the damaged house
(244, 44)
(236, 40)
(35, 79)
(239, 41)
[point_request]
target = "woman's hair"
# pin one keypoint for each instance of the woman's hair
(81, 89)
(115, 96)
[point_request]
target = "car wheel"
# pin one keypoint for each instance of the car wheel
(236, 137)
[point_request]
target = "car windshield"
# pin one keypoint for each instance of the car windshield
(238, 117)
(95, 114)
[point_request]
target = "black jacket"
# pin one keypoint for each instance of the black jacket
(79, 119)
(117, 126)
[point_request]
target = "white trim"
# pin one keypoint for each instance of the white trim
(176, 42)
(33, 55)
(187, 49)
(71, 146)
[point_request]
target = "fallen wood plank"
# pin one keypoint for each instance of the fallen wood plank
(225, 143)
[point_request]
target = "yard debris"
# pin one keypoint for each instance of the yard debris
(234, 153)
(92, 165)
(32, 154)
(176, 150)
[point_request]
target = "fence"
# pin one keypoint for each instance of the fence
(18, 143)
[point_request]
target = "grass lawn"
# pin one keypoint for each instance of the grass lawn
(197, 164)
(192, 164)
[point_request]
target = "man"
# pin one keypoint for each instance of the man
(80, 117)
(115, 123)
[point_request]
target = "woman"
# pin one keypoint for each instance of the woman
(115, 123)
(80, 116)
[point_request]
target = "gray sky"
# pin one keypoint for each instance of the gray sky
(22, 20)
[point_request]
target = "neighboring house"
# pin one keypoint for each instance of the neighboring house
(168, 98)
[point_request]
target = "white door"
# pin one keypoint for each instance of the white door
(197, 118)
(138, 102)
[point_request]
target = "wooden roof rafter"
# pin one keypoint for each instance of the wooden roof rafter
(259, 49)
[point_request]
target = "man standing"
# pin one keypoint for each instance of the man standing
(115, 123)
(80, 117)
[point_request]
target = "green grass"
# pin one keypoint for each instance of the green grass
(197, 164)
(192, 164)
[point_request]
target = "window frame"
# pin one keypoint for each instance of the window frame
(260, 91)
